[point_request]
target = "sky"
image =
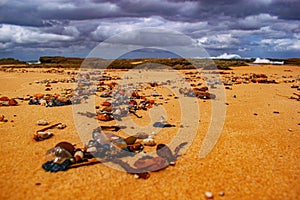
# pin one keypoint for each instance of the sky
(73, 28)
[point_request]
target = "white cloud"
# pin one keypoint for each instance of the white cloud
(281, 44)
(24, 35)
(71, 31)
(218, 41)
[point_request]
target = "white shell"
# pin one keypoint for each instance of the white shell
(44, 135)
(42, 122)
(91, 150)
(43, 102)
(61, 126)
(149, 141)
(209, 195)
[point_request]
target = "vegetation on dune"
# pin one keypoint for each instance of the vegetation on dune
(292, 61)
(175, 63)
(10, 61)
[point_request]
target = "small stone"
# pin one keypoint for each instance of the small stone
(37, 183)
(290, 130)
(61, 126)
(91, 150)
(255, 114)
(209, 195)
(136, 176)
(42, 122)
(149, 141)
(276, 112)
(221, 193)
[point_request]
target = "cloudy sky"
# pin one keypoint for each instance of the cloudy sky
(257, 28)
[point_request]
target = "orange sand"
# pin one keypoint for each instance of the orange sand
(256, 156)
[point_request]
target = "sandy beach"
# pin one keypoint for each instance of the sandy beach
(257, 155)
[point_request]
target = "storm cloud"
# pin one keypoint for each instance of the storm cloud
(258, 28)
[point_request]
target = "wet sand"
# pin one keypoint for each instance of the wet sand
(256, 157)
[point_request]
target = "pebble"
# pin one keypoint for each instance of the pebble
(290, 130)
(149, 141)
(61, 126)
(78, 155)
(44, 135)
(91, 150)
(209, 195)
(221, 193)
(42, 122)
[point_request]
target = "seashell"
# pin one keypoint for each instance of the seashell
(151, 164)
(106, 103)
(136, 147)
(130, 140)
(61, 126)
(42, 122)
(141, 135)
(143, 175)
(221, 193)
(104, 117)
(149, 141)
(151, 101)
(62, 99)
(4, 98)
(38, 96)
(43, 102)
(67, 146)
(41, 135)
(209, 195)
(2, 118)
(78, 156)
(91, 150)
(12, 102)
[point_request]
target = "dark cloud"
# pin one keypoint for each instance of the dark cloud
(238, 26)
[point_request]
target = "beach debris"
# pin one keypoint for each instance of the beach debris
(209, 195)
(68, 97)
(200, 93)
